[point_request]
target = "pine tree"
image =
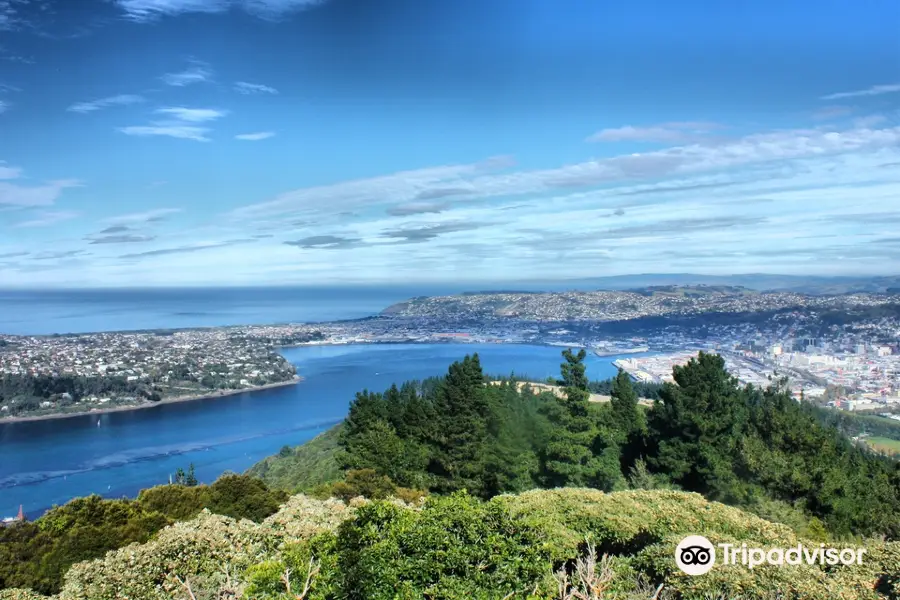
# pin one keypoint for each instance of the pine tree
(628, 420)
(460, 435)
(697, 426)
(577, 454)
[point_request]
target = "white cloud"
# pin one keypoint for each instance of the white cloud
(41, 195)
(262, 135)
(175, 130)
(404, 185)
(10, 17)
(665, 132)
(875, 90)
(193, 115)
(198, 72)
(47, 218)
(869, 121)
(787, 200)
(243, 87)
(479, 182)
(120, 100)
(149, 10)
(150, 216)
(4, 106)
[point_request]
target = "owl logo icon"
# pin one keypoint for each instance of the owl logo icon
(695, 555)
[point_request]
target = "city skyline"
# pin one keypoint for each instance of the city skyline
(216, 142)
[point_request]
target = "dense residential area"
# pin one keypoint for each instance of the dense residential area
(609, 305)
(81, 373)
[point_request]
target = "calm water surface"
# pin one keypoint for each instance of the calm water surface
(50, 462)
(79, 311)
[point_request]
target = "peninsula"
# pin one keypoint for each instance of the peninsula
(59, 376)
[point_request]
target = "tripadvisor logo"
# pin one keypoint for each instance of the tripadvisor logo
(696, 555)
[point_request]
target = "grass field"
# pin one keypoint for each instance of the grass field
(886, 445)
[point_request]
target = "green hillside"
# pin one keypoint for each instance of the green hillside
(303, 467)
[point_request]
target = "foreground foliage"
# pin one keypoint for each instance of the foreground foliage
(542, 544)
(36, 555)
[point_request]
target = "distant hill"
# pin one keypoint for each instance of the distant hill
(755, 281)
(694, 290)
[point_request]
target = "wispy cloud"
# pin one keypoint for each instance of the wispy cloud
(243, 87)
(120, 100)
(55, 255)
(875, 90)
(755, 151)
(120, 222)
(11, 17)
(7, 172)
(418, 208)
(663, 133)
(121, 239)
(115, 229)
(198, 72)
(328, 242)
(5, 53)
(149, 10)
(429, 232)
(4, 89)
(175, 130)
(253, 137)
(188, 249)
(48, 218)
(192, 115)
(831, 112)
(39, 195)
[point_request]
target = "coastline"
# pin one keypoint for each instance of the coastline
(172, 400)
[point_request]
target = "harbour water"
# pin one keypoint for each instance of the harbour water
(49, 462)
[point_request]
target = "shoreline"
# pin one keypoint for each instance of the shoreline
(173, 400)
(223, 393)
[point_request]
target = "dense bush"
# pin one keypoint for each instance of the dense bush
(36, 555)
(458, 548)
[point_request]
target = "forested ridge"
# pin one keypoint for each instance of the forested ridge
(436, 462)
(749, 447)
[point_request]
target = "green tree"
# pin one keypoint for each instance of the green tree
(461, 436)
(628, 420)
(578, 453)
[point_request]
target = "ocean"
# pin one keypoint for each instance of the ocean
(43, 463)
(47, 312)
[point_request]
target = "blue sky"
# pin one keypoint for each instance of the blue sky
(204, 142)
